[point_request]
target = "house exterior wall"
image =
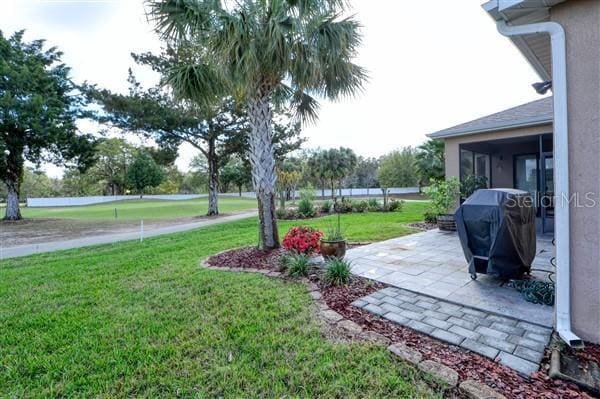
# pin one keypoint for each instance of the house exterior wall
(500, 178)
(580, 20)
(502, 162)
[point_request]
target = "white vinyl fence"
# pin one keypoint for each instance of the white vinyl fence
(78, 201)
(99, 199)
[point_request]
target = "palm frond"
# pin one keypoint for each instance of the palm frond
(233, 45)
(257, 45)
(178, 19)
(199, 83)
(336, 44)
(281, 95)
(305, 107)
(313, 7)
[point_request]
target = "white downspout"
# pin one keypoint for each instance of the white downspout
(561, 169)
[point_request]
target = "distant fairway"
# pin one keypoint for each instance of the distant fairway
(140, 209)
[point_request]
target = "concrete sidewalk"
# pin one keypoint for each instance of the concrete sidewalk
(24, 250)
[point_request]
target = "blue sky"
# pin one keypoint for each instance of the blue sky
(432, 64)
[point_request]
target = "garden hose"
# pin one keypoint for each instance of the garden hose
(538, 291)
(535, 291)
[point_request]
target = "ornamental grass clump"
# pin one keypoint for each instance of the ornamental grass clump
(337, 272)
(306, 208)
(302, 240)
(326, 206)
(298, 265)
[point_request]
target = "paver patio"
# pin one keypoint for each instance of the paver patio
(438, 297)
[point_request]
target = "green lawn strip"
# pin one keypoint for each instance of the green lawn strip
(369, 226)
(144, 320)
(141, 209)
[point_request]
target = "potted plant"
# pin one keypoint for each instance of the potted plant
(444, 197)
(333, 244)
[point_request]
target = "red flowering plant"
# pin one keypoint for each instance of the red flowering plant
(302, 239)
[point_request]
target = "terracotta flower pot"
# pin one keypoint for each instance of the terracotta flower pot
(333, 249)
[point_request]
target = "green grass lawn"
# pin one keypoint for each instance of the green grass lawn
(144, 320)
(370, 226)
(141, 209)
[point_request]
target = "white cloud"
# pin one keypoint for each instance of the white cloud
(432, 64)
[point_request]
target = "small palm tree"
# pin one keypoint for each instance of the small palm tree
(268, 53)
(429, 161)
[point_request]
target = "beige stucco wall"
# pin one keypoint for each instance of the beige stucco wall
(503, 179)
(581, 21)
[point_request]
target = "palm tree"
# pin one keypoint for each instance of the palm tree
(267, 53)
(429, 160)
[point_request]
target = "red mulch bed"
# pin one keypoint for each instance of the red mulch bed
(336, 297)
(249, 257)
(468, 365)
(591, 352)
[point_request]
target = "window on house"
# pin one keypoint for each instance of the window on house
(526, 173)
(474, 163)
(482, 165)
(466, 163)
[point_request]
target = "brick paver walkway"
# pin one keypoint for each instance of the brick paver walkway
(432, 263)
(514, 343)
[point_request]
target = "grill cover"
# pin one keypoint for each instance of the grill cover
(496, 228)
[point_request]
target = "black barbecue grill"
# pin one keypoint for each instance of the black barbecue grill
(496, 228)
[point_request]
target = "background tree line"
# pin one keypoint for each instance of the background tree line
(406, 167)
(233, 82)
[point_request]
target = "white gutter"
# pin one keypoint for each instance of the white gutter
(561, 169)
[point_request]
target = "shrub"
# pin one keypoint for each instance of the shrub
(337, 272)
(292, 214)
(430, 217)
(344, 206)
(302, 240)
(395, 205)
(306, 208)
(374, 205)
(281, 213)
(298, 265)
(444, 195)
(326, 206)
(287, 214)
(360, 206)
(284, 261)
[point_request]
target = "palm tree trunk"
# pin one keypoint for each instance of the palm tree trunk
(213, 179)
(263, 169)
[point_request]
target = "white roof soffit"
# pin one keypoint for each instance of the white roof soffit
(535, 48)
